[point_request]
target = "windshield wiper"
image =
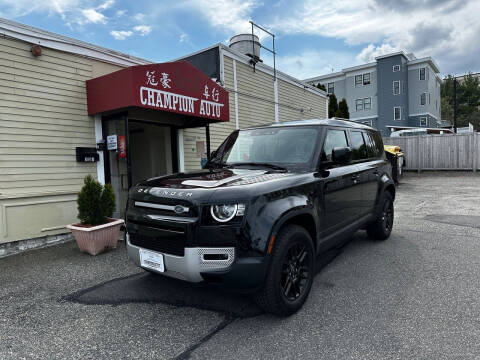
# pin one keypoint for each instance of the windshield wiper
(264, 164)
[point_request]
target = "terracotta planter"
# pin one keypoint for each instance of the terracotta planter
(97, 239)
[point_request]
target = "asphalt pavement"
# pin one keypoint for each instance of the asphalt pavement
(414, 296)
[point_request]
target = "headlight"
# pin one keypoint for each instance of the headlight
(225, 213)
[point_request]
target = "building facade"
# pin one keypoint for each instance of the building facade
(397, 91)
(45, 118)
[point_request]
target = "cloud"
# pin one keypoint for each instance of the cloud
(120, 13)
(106, 5)
(143, 29)
(121, 34)
(139, 17)
(183, 38)
(93, 16)
(369, 53)
(447, 30)
(18, 8)
(231, 15)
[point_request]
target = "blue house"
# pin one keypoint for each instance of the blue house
(397, 91)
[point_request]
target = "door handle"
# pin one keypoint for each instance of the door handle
(354, 177)
(376, 172)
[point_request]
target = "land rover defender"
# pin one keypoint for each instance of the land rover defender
(270, 200)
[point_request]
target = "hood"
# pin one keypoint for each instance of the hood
(215, 178)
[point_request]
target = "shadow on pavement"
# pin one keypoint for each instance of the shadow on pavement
(151, 289)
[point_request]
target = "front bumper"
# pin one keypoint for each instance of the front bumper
(238, 273)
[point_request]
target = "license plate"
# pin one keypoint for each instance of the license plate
(151, 260)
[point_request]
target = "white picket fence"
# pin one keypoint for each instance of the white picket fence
(439, 152)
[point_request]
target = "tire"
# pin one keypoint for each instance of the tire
(290, 274)
(381, 228)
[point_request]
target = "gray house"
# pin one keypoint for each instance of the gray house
(397, 91)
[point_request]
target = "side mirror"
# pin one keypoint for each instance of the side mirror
(341, 155)
(213, 154)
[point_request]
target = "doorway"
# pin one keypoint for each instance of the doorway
(152, 149)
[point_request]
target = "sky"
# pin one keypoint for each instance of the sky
(313, 37)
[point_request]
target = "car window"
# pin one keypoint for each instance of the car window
(358, 145)
(377, 139)
(334, 138)
(371, 149)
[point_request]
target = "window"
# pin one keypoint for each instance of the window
(397, 113)
(357, 144)
(396, 87)
(371, 149)
(423, 121)
(422, 74)
(359, 104)
(334, 138)
(423, 98)
(377, 139)
(358, 80)
(366, 79)
(367, 103)
(396, 68)
(330, 88)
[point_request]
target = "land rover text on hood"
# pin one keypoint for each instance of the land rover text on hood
(267, 203)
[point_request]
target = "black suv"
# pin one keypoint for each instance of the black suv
(267, 203)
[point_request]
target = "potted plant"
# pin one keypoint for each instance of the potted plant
(97, 231)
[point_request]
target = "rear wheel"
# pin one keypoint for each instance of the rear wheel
(290, 275)
(381, 228)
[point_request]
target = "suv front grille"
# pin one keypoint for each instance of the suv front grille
(173, 245)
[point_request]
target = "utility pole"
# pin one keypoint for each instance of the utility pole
(455, 105)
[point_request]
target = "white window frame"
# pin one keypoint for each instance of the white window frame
(400, 112)
(369, 79)
(333, 88)
(424, 74)
(426, 120)
(355, 80)
(396, 68)
(369, 98)
(399, 87)
(356, 106)
(425, 102)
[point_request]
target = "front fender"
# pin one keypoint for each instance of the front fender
(271, 214)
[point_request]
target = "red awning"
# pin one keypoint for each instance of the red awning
(176, 87)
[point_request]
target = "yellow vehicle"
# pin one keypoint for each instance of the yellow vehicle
(396, 157)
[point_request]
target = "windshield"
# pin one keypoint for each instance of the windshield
(294, 146)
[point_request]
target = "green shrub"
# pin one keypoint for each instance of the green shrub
(95, 202)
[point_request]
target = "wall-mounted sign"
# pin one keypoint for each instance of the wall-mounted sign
(176, 87)
(112, 142)
(122, 147)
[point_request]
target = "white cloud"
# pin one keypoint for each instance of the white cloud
(232, 15)
(17, 8)
(143, 29)
(93, 16)
(120, 13)
(106, 5)
(447, 30)
(139, 17)
(183, 38)
(121, 34)
(369, 53)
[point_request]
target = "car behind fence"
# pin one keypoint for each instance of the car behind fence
(439, 152)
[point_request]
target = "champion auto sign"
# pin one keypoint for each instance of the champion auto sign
(176, 87)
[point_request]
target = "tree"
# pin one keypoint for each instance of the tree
(343, 108)
(332, 105)
(468, 100)
(321, 87)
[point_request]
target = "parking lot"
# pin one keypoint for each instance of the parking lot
(415, 296)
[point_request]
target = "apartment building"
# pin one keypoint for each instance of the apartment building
(397, 91)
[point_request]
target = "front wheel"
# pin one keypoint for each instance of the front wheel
(290, 274)
(381, 227)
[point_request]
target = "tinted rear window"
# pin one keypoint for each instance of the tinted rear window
(358, 145)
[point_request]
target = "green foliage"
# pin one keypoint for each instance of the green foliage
(343, 109)
(95, 202)
(468, 100)
(332, 105)
(321, 87)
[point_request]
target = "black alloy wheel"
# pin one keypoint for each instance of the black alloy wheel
(381, 227)
(295, 272)
(290, 274)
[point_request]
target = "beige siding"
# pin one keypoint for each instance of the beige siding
(43, 118)
(256, 106)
